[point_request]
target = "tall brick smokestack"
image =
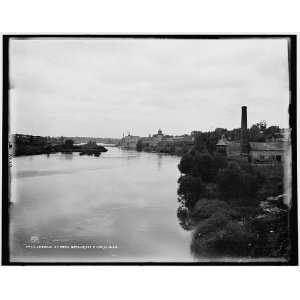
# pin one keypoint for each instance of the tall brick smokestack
(244, 134)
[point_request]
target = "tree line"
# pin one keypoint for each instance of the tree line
(259, 132)
(224, 203)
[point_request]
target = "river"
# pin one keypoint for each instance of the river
(119, 207)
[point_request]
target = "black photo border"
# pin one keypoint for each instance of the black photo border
(292, 56)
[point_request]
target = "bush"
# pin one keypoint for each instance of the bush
(220, 236)
(205, 208)
(183, 215)
(235, 240)
(272, 236)
(272, 183)
(235, 184)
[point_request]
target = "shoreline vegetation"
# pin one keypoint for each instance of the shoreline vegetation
(232, 207)
(178, 150)
(24, 145)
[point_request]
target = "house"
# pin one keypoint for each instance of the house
(272, 152)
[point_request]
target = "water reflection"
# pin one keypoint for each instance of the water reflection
(159, 161)
(66, 156)
(123, 198)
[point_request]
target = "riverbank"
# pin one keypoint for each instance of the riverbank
(28, 149)
(178, 149)
(233, 208)
(24, 145)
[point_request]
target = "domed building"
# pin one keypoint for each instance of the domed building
(158, 137)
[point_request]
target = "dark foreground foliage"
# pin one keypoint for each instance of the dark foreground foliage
(232, 207)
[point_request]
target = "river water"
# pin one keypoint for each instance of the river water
(119, 207)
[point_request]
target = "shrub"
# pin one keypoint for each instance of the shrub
(183, 216)
(235, 240)
(205, 208)
(235, 184)
(271, 232)
(220, 236)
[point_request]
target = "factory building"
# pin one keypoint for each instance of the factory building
(270, 152)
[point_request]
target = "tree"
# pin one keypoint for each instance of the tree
(238, 185)
(256, 133)
(190, 190)
(220, 162)
(200, 140)
(271, 131)
(206, 141)
(186, 163)
(69, 143)
(202, 164)
(139, 145)
(234, 134)
(262, 125)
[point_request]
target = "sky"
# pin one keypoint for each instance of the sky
(107, 87)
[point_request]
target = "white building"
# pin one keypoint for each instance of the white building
(129, 142)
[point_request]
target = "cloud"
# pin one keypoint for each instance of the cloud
(103, 87)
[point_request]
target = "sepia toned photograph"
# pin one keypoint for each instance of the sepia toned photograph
(149, 149)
